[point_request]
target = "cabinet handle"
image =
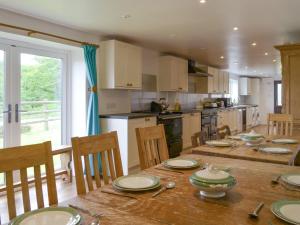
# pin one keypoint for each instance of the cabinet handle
(147, 119)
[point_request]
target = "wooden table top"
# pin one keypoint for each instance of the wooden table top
(183, 204)
(241, 151)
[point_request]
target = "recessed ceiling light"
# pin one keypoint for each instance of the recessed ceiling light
(126, 16)
(253, 44)
(274, 60)
(222, 57)
(266, 53)
(202, 1)
(235, 28)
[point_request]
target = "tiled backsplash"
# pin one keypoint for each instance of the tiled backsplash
(140, 101)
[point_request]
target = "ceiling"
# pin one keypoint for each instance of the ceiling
(185, 27)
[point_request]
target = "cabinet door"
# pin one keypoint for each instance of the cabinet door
(195, 123)
(121, 61)
(182, 73)
(134, 67)
(226, 82)
(216, 80)
(221, 82)
(186, 132)
(210, 80)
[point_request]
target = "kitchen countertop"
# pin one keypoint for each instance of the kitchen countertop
(128, 116)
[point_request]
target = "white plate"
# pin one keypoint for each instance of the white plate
(284, 141)
(45, 218)
(212, 175)
(48, 216)
(181, 163)
(136, 182)
(293, 179)
(235, 137)
(292, 212)
(275, 150)
(219, 143)
(287, 210)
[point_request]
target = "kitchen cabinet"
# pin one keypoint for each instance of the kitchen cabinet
(120, 65)
(218, 83)
(127, 137)
(290, 60)
(245, 85)
(229, 117)
(226, 82)
(191, 124)
(173, 74)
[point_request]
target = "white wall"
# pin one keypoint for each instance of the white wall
(266, 103)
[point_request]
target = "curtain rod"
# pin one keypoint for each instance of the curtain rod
(30, 32)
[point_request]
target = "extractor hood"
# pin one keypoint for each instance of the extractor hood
(196, 69)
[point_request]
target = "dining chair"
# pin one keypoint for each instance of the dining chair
(19, 159)
(152, 146)
(280, 124)
(223, 132)
(199, 138)
(295, 160)
(103, 149)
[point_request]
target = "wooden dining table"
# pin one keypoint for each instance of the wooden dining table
(241, 151)
(184, 205)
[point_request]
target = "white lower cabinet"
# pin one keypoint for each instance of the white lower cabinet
(229, 117)
(127, 137)
(191, 124)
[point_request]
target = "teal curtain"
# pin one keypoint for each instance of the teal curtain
(93, 125)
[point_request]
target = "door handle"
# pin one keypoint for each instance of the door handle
(17, 111)
(8, 111)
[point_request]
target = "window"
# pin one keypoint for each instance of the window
(34, 95)
(234, 90)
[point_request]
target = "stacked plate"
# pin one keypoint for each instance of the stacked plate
(216, 143)
(275, 150)
(292, 179)
(181, 163)
(49, 216)
(284, 141)
(212, 183)
(133, 183)
(287, 210)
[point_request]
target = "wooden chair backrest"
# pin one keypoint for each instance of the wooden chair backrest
(104, 147)
(152, 145)
(223, 132)
(199, 138)
(23, 157)
(295, 161)
(280, 124)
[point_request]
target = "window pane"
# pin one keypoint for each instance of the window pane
(1, 106)
(41, 94)
(279, 97)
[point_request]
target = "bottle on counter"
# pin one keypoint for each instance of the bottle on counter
(177, 106)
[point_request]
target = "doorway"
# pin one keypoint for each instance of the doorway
(32, 97)
(277, 96)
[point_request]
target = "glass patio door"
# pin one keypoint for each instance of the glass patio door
(32, 98)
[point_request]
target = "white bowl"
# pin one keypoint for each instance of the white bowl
(253, 142)
(212, 190)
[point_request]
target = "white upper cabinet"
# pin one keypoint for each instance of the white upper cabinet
(226, 82)
(120, 65)
(173, 74)
(245, 85)
(213, 84)
(221, 82)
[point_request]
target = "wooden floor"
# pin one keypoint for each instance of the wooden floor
(67, 191)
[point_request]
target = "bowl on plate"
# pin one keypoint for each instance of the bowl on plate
(212, 183)
(252, 138)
